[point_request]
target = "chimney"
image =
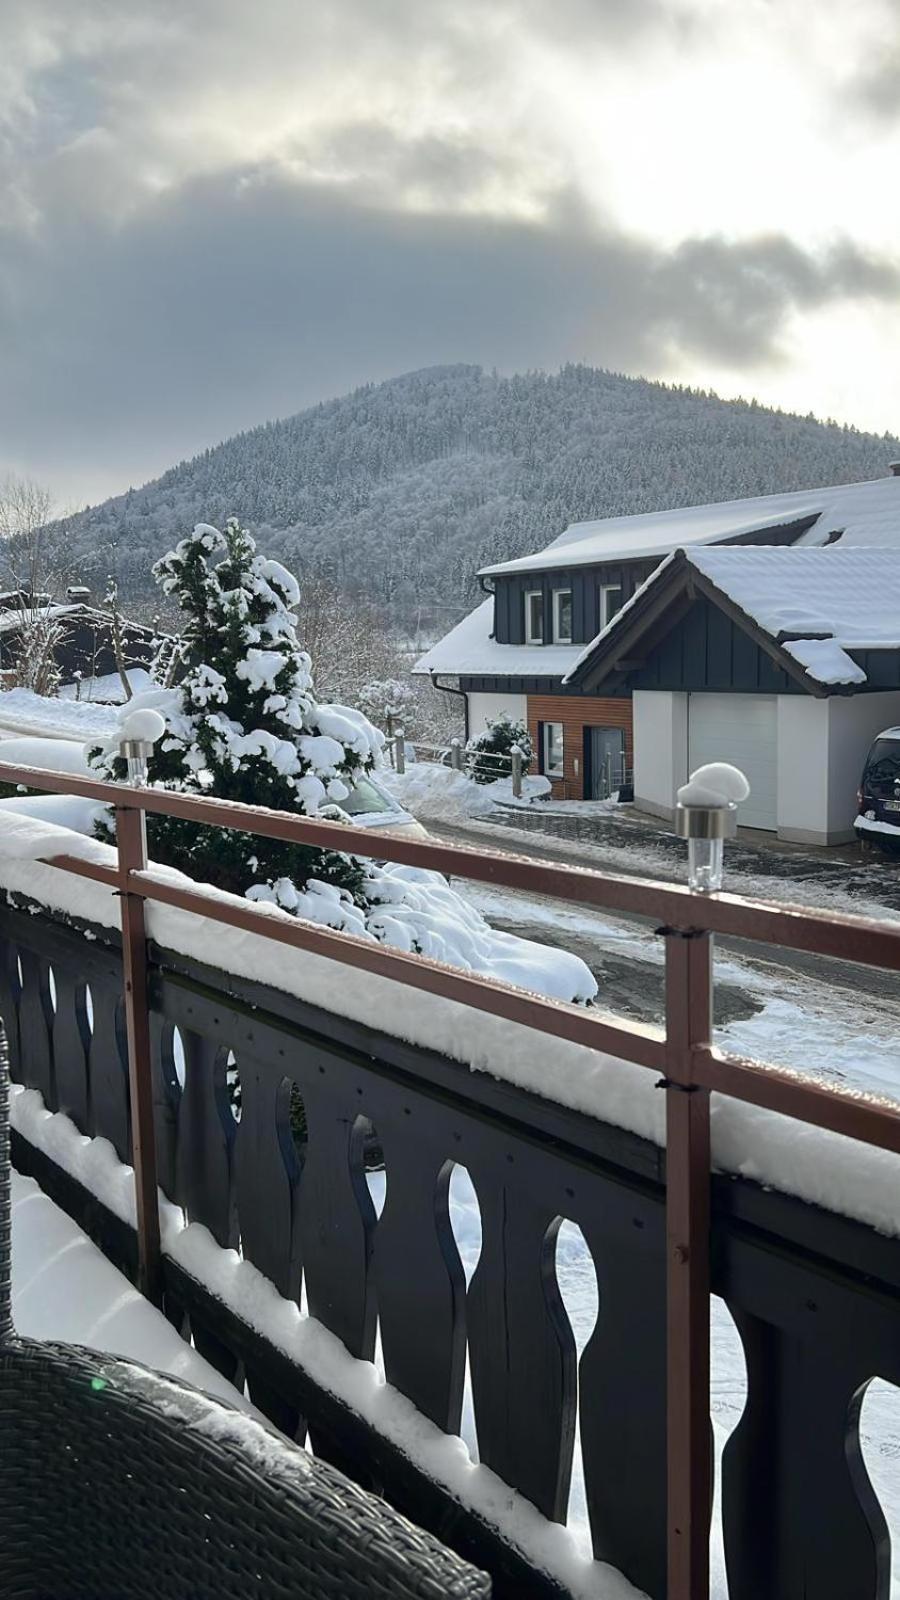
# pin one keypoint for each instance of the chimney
(895, 469)
(79, 593)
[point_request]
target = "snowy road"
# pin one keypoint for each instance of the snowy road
(810, 1012)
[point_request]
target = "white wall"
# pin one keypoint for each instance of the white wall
(660, 748)
(482, 707)
(854, 722)
(822, 745)
(803, 767)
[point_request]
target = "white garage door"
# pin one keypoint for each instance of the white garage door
(743, 729)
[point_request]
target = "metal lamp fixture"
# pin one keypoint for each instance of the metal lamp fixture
(706, 815)
(706, 828)
(139, 733)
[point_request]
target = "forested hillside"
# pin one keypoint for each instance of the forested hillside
(399, 491)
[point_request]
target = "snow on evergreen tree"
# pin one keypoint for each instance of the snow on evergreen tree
(248, 728)
(490, 751)
(382, 698)
(244, 724)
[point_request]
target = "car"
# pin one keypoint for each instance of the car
(878, 822)
(370, 806)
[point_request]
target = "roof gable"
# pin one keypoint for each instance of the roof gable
(807, 608)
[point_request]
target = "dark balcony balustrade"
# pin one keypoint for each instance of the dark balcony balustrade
(815, 1297)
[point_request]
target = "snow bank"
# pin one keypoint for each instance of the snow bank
(68, 811)
(106, 689)
(24, 711)
(436, 793)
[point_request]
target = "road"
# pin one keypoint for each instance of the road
(626, 959)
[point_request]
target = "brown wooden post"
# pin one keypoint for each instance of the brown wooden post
(131, 838)
(689, 1449)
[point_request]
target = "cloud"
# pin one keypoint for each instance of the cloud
(227, 301)
(876, 87)
(731, 301)
(209, 216)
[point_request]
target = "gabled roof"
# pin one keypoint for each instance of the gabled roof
(862, 513)
(814, 605)
(471, 650)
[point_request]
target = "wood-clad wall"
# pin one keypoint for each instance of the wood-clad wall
(577, 712)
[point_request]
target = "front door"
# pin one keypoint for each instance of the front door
(606, 763)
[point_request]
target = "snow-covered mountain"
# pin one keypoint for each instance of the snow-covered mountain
(402, 489)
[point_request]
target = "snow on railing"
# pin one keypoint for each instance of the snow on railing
(574, 1057)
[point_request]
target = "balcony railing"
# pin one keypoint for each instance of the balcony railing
(817, 1300)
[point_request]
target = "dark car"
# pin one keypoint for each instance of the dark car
(879, 794)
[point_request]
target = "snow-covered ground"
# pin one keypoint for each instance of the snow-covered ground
(435, 793)
(21, 711)
(809, 1025)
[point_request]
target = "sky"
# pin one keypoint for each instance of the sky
(214, 213)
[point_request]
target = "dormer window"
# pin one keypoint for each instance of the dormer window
(534, 616)
(562, 616)
(610, 602)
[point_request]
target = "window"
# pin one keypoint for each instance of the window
(552, 749)
(610, 602)
(534, 617)
(562, 616)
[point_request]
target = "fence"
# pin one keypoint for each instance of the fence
(611, 776)
(485, 766)
(816, 1298)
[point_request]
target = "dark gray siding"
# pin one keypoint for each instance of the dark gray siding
(584, 582)
(706, 650)
(881, 667)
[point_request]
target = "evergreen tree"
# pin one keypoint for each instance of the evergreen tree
(248, 728)
(490, 752)
(244, 724)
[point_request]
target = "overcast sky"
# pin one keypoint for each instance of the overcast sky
(214, 212)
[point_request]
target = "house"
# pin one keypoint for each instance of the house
(762, 631)
(79, 633)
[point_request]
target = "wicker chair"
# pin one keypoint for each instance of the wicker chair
(118, 1484)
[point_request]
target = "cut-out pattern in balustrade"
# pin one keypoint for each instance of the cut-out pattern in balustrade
(326, 1153)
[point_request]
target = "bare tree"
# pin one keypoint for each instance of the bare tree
(30, 546)
(355, 653)
(117, 634)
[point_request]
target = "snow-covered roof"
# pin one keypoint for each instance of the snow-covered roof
(849, 595)
(863, 514)
(817, 603)
(471, 649)
(12, 619)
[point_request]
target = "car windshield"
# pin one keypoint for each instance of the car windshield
(882, 767)
(364, 800)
